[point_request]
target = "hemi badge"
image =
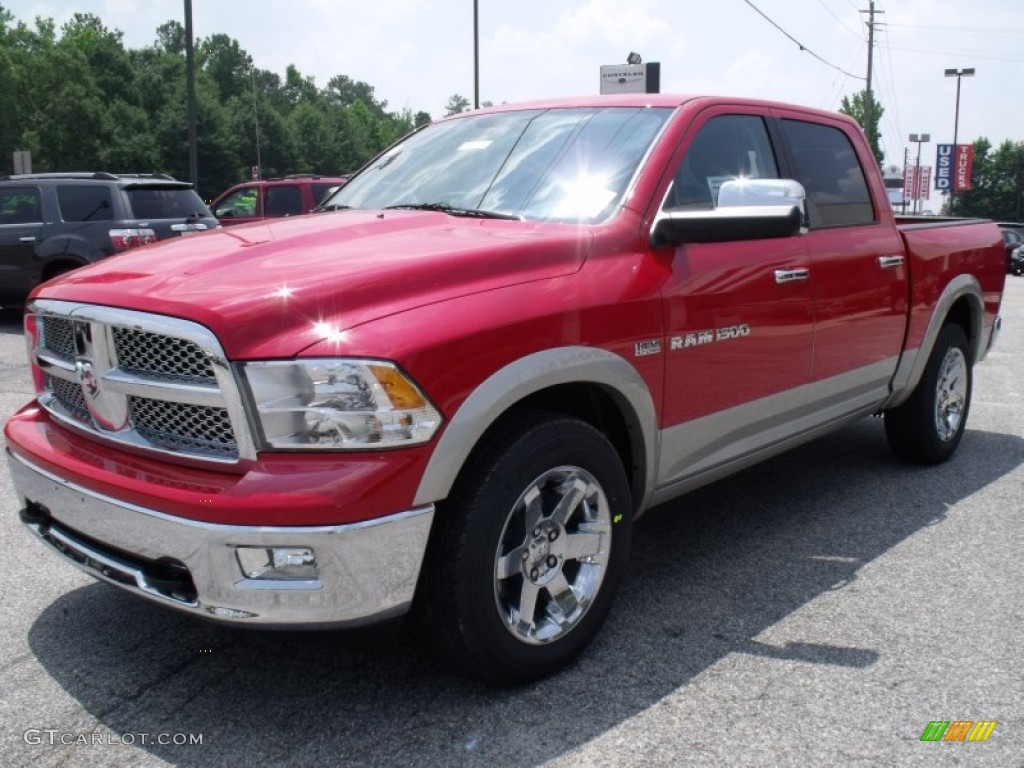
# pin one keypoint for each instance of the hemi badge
(644, 348)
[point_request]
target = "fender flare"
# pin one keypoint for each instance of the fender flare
(912, 362)
(526, 376)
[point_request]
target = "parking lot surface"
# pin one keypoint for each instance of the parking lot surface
(820, 609)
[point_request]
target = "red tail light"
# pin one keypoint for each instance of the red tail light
(123, 239)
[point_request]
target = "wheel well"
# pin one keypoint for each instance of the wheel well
(962, 314)
(54, 268)
(600, 408)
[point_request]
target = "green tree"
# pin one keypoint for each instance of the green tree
(455, 105)
(344, 91)
(997, 183)
(868, 118)
(170, 37)
(79, 100)
(227, 63)
(319, 143)
(298, 88)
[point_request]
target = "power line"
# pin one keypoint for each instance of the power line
(842, 23)
(954, 53)
(800, 45)
(962, 31)
(891, 116)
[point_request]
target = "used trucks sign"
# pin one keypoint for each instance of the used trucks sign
(953, 167)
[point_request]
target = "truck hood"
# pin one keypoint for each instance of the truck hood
(273, 289)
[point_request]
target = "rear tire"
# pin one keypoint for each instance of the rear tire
(927, 428)
(528, 551)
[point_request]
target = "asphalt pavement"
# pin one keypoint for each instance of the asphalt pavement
(820, 609)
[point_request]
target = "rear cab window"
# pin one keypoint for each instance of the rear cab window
(828, 167)
(321, 191)
(282, 201)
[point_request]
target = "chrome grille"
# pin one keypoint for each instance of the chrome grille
(69, 394)
(183, 427)
(154, 354)
(146, 381)
(58, 336)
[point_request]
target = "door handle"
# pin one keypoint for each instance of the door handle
(791, 275)
(29, 239)
(890, 262)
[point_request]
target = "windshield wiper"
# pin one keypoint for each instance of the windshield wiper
(451, 210)
(332, 207)
(102, 206)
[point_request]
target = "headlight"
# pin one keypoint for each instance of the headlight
(339, 405)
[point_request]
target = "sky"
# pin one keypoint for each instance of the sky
(418, 53)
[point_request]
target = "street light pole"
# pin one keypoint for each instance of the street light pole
(919, 139)
(476, 56)
(957, 73)
(190, 85)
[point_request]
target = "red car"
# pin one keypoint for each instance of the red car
(273, 198)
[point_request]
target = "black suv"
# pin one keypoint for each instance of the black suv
(54, 222)
(1013, 238)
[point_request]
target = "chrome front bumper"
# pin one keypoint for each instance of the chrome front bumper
(363, 572)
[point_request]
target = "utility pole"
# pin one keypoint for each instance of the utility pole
(869, 98)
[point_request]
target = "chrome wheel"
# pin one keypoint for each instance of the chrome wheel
(528, 553)
(552, 555)
(951, 394)
(928, 426)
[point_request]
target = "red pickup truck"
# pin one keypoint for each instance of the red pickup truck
(518, 329)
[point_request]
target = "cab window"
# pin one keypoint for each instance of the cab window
(282, 201)
(726, 147)
(827, 166)
(240, 204)
(20, 205)
(84, 203)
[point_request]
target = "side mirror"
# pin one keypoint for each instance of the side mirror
(748, 209)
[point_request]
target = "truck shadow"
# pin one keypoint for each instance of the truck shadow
(710, 572)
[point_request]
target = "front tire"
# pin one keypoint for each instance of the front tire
(927, 428)
(529, 550)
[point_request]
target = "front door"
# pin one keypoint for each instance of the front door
(21, 220)
(738, 315)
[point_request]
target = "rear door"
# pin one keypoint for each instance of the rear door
(858, 267)
(21, 220)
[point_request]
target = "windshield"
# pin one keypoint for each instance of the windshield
(565, 165)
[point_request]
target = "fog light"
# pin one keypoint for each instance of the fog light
(278, 563)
